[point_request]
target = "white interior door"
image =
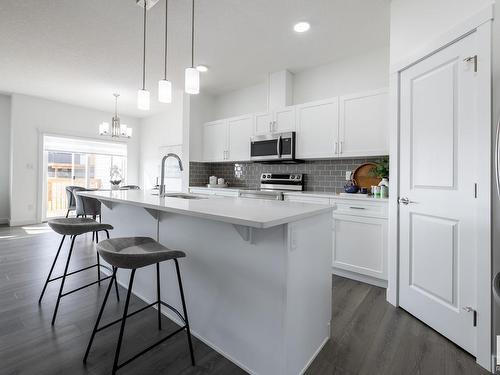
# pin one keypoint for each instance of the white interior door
(438, 124)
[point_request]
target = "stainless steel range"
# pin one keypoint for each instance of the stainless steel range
(272, 186)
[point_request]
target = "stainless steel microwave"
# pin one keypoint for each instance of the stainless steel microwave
(273, 147)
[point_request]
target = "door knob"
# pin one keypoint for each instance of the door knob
(404, 200)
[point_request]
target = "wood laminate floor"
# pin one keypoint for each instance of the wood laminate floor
(369, 336)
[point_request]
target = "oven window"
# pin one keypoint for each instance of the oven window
(264, 148)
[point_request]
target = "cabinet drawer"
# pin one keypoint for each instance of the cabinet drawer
(306, 199)
(370, 209)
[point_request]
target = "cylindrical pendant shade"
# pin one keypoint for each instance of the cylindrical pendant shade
(165, 91)
(143, 100)
(192, 78)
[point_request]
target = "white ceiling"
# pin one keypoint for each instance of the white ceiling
(82, 51)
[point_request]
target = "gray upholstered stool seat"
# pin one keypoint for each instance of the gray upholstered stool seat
(135, 252)
(76, 226)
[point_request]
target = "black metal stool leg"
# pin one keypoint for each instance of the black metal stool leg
(122, 327)
(67, 214)
(184, 310)
(116, 282)
(158, 293)
(98, 260)
(51, 269)
(96, 326)
(63, 279)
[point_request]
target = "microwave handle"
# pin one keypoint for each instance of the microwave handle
(278, 146)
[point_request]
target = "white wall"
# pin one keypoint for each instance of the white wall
(346, 76)
(245, 100)
(163, 129)
(201, 110)
(357, 73)
(31, 117)
(4, 157)
(415, 23)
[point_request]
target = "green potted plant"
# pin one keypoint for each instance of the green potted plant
(381, 170)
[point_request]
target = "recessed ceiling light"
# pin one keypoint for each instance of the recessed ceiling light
(301, 27)
(202, 68)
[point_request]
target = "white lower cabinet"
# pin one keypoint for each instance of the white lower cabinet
(360, 245)
(359, 233)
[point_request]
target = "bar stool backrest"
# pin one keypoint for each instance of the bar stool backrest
(85, 205)
(70, 197)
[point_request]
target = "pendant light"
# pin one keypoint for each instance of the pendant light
(117, 129)
(192, 75)
(164, 85)
(143, 94)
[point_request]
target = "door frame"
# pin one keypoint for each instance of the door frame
(480, 24)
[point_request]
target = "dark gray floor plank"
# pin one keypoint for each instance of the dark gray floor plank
(368, 335)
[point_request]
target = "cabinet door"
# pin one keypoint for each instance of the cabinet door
(214, 141)
(360, 245)
(284, 120)
(364, 124)
(263, 123)
(317, 129)
(240, 129)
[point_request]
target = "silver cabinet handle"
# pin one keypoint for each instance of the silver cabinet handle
(357, 208)
(270, 126)
(405, 201)
(274, 126)
(340, 148)
(335, 148)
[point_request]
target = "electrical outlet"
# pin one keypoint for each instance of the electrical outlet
(348, 175)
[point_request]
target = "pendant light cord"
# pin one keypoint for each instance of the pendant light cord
(144, 50)
(192, 34)
(166, 37)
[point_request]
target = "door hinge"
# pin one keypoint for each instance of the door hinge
(472, 59)
(475, 190)
(474, 314)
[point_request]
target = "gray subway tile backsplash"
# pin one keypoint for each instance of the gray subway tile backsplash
(319, 175)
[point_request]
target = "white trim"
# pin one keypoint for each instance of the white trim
(483, 210)
(18, 223)
(451, 36)
(480, 24)
(359, 277)
(313, 357)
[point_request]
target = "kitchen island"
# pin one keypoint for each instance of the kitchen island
(257, 275)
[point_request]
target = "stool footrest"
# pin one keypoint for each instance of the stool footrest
(84, 286)
(150, 347)
(129, 315)
(80, 270)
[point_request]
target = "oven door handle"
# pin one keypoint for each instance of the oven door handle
(278, 146)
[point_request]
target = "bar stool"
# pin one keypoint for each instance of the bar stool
(70, 198)
(74, 227)
(133, 253)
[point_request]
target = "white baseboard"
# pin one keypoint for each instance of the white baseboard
(359, 277)
(314, 355)
(17, 223)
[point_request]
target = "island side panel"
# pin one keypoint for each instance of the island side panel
(235, 289)
(309, 290)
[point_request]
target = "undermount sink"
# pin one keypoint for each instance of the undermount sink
(182, 196)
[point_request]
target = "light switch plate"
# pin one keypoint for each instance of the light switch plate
(348, 175)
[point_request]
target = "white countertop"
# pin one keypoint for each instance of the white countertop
(255, 213)
(318, 194)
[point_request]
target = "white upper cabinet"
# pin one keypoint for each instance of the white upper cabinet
(363, 126)
(317, 129)
(346, 126)
(277, 121)
(284, 120)
(263, 123)
(215, 141)
(240, 130)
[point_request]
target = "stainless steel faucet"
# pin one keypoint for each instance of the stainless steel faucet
(162, 178)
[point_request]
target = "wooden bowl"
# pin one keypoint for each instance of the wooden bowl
(362, 178)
